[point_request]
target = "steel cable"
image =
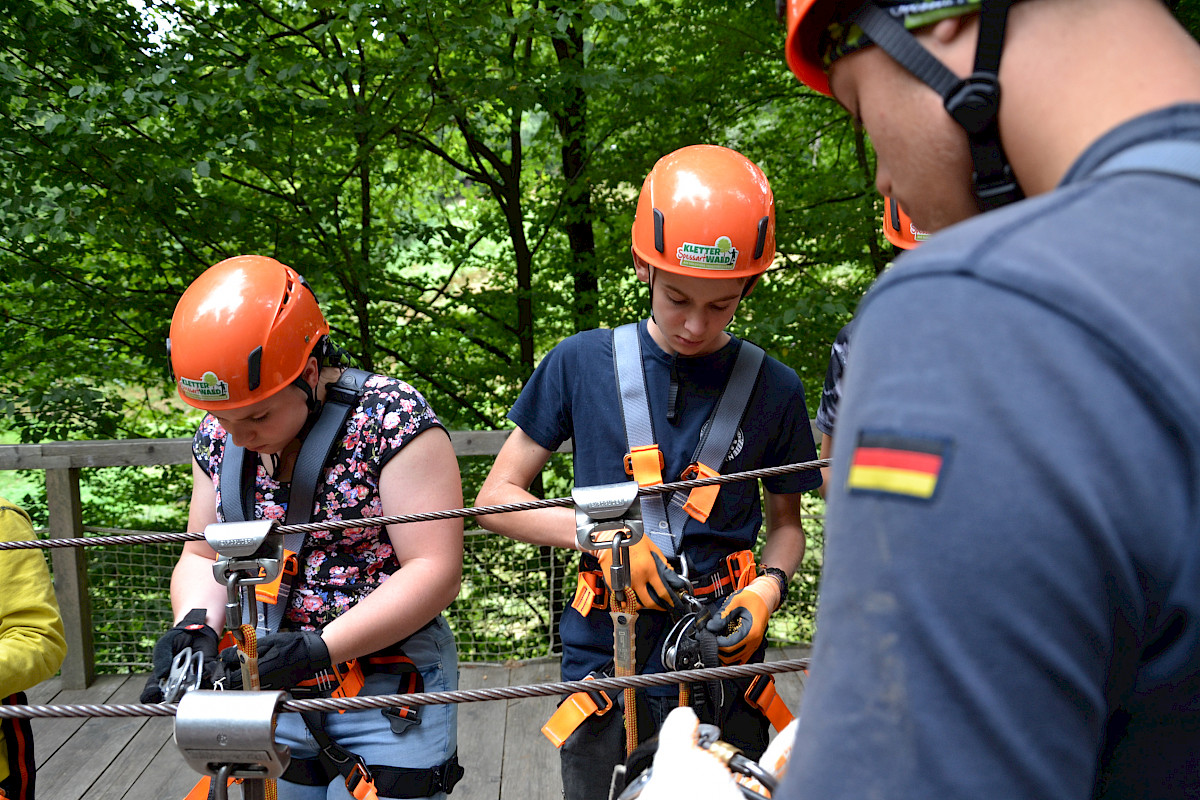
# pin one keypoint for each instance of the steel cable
(424, 516)
(424, 698)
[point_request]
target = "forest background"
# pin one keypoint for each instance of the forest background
(455, 178)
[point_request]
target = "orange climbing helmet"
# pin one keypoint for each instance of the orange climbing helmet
(243, 331)
(708, 212)
(807, 21)
(898, 228)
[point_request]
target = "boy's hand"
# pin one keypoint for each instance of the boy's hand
(656, 585)
(741, 621)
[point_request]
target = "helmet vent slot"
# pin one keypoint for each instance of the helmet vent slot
(254, 362)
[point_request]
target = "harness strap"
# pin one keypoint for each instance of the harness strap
(238, 473)
(735, 572)
(718, 435)
(639, 430)
(763, 695)
(574, 709)
(663, 520)
(365, 781)
(237, 476)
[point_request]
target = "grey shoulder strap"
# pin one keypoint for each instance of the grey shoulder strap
(639, 428)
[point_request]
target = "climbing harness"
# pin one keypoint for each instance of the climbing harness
(607, 517)
(269, 604)
(664, 517)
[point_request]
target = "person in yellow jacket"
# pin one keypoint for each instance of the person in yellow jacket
(32, 645)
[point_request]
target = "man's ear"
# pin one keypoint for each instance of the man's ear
(953, 40)
(640, 268)
(751, 282)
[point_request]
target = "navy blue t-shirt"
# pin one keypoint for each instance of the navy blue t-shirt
(573, 395)
(1010, 598)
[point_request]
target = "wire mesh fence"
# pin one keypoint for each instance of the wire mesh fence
(507, 609)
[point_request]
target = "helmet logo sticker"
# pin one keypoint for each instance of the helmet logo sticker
(721, 254)
(209, 387)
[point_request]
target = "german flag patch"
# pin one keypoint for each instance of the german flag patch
(896, 464)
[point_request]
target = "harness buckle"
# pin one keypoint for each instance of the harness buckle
(701, 499)
(401, 718)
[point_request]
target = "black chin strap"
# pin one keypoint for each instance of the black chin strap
(973, 102)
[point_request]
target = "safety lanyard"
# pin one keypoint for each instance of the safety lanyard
(237, 476)
(664, 519)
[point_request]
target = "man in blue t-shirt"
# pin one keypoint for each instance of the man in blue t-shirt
(1010, 601)
(703, 234)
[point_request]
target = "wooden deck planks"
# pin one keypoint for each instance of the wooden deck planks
(91, 750)
(530, 768)
(480, 725)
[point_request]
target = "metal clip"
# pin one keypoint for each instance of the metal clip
(252, 550)
(187, 672)
(602, 512)
(231, 734)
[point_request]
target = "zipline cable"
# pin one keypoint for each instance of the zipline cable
(425, 698)
(425, 516)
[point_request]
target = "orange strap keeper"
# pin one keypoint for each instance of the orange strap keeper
(590, 592)
(762, 695)
(269, 592)
(702, 498)
(645, 464)
(571, 714)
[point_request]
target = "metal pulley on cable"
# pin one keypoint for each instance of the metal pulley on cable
(228, 735)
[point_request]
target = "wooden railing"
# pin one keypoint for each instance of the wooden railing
(62, 462)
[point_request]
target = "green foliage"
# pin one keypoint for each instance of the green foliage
(455, 179)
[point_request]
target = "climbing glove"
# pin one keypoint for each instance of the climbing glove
(741, 621)
(284, 660)
(656, 585)
(191, 631)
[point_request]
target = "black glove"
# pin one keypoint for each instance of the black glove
(284, 660)
(191, 631)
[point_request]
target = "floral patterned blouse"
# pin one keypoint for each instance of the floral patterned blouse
(337, 568)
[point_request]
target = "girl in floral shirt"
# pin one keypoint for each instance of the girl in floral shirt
(250, 346)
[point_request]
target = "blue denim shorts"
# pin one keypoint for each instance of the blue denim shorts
(369, 734)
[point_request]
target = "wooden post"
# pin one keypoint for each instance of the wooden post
(70, 577)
